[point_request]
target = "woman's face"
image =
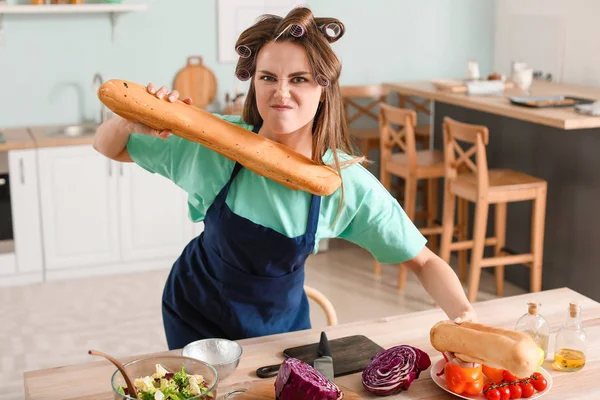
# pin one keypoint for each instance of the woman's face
(287, 95)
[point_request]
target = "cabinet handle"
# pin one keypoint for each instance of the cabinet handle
(121, 169)
(21, 171)
(110, 168)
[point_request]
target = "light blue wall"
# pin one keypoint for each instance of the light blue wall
(47, 62)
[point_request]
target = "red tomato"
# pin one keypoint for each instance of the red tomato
(493, 394)
(527, 389)
(515, 391)
(504, 393)
(539, 382)
(508, 377)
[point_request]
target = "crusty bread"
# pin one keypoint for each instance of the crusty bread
(473, 342)
(263, 156)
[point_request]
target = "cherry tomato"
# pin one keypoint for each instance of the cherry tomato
(515, 391)
(504, 393)
(539, 382)
(527, 389)
(492, 394)
(508, 377)
(494, 374)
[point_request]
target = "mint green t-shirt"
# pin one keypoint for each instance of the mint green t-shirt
(370, 216)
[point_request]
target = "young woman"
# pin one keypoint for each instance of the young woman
(244, 275)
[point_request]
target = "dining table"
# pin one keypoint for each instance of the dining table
(556, 144)
(91, 381)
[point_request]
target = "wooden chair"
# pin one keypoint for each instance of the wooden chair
(410, 165)
(324, 303)
(473, 182)
(368, 138)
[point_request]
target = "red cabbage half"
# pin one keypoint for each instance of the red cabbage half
(297, 380)
(392, 371)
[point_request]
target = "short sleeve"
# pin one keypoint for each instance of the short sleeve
(198, 170)
(376, 221)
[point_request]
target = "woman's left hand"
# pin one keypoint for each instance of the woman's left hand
(466, 316)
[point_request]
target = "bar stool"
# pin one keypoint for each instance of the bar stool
(324, 303)
(368, 138)
(410, 165)
(475, 183)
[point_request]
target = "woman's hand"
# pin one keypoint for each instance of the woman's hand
(160, 93)
(466, 316)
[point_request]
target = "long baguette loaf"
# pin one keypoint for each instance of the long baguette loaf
(483, 344)
(263, 156)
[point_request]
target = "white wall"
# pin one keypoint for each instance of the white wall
(557, 36)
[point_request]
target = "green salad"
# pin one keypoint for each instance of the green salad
(165, 385)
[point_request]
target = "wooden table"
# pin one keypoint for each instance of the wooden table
(92, 380)
(562, 118)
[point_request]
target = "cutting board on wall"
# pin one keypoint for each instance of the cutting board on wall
(350, 354)
(196, 81)
(266, 391)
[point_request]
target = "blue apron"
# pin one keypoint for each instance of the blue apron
(238, 279)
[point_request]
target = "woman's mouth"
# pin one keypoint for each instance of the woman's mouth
(281, 107)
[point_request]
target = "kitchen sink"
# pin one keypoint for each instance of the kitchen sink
(84, 129)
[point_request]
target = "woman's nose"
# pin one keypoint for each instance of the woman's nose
(283, 90)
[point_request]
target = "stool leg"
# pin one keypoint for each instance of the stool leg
(479, 233)
(432, 211)
(537, 239)
(463, 234)
(410, 201)
(447, 222)
(500, 233)
(363, 145)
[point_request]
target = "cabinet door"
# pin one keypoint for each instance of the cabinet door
(78, 188)
(153, 215)
(25, 206)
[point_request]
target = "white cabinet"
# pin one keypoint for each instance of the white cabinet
(24, 197)
(78, 192)
(153, 214)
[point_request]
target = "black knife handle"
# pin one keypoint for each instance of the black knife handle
(268, 371)
(325, 349)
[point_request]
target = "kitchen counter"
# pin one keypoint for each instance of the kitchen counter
(92, 380)
(16, 139)
(563, 118)
(36, 137)
(38, 133)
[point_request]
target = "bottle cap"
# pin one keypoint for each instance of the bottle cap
(533, 307)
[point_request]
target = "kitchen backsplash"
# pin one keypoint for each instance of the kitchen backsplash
(47, 62)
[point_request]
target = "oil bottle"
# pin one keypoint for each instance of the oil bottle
(571, 342)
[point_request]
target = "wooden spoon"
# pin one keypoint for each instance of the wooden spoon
(130, 386)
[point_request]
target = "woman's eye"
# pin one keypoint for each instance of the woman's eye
(267, 78)
(299, 79)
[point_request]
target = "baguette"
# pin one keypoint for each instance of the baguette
(260, 155)
(474, 342)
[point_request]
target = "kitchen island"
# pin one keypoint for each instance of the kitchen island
(92, 380)
(554, 144)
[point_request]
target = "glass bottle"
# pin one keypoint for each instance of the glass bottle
(535, 325)
(571, 342)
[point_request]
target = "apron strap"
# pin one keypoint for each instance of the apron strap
(313, 214)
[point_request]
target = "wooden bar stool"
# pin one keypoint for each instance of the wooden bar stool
(410, 165)
(475, 183)
(324, 303)
(368, 138)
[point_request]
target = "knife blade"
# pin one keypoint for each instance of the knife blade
(324, 363)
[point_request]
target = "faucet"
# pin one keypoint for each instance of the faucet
(96, 83)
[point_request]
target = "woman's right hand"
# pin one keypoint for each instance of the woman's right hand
(160, 93)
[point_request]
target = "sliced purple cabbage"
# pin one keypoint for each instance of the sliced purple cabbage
(297, 380)
(392, 371)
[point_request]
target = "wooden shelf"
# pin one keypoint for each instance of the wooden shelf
(114, 10)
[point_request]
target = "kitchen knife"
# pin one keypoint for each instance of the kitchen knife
(324, 364)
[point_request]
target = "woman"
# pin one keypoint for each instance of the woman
(243, 276)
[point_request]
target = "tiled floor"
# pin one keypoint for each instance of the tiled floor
(56, 323)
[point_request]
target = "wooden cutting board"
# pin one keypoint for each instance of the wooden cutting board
(195, 80)
(350, 354)
(266, 391)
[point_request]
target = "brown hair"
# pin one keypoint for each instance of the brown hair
(314, 35)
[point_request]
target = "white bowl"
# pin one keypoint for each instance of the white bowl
(224, 355)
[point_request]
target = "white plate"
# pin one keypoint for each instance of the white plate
(441, 382)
